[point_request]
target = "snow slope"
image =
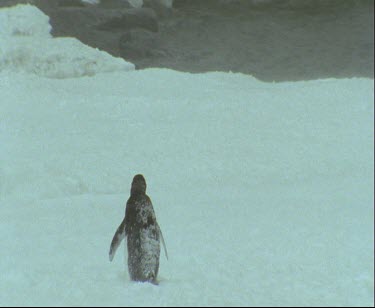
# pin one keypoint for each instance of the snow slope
(264, 191)
(27, 45)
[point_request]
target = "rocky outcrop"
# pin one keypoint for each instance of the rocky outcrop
(139, 43)
(144, 18)
(273, 40)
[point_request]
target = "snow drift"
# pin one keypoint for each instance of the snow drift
(27, 45)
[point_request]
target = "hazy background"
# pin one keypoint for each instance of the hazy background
(271, 40)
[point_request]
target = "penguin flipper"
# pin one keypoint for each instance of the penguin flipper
(117, 239)
(162, 240)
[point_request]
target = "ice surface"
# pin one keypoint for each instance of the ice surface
(264, 192)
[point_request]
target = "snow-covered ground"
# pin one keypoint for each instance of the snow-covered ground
(264, 191)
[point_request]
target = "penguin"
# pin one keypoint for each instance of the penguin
(143, 235)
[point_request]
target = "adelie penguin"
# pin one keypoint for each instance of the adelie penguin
(143, 234)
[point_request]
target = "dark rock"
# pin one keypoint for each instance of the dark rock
(272, 40)
(139, 43)
(7, 3)
(73, 3)
(133, 18)
(160, 9)
(113, 4)
(81, 23)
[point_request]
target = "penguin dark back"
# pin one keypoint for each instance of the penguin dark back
(143, 234)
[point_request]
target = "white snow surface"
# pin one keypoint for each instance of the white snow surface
(263, 191)
(27, 45)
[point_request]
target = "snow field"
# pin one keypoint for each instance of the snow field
(264, 192)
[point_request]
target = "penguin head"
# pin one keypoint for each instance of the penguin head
(138, 185)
